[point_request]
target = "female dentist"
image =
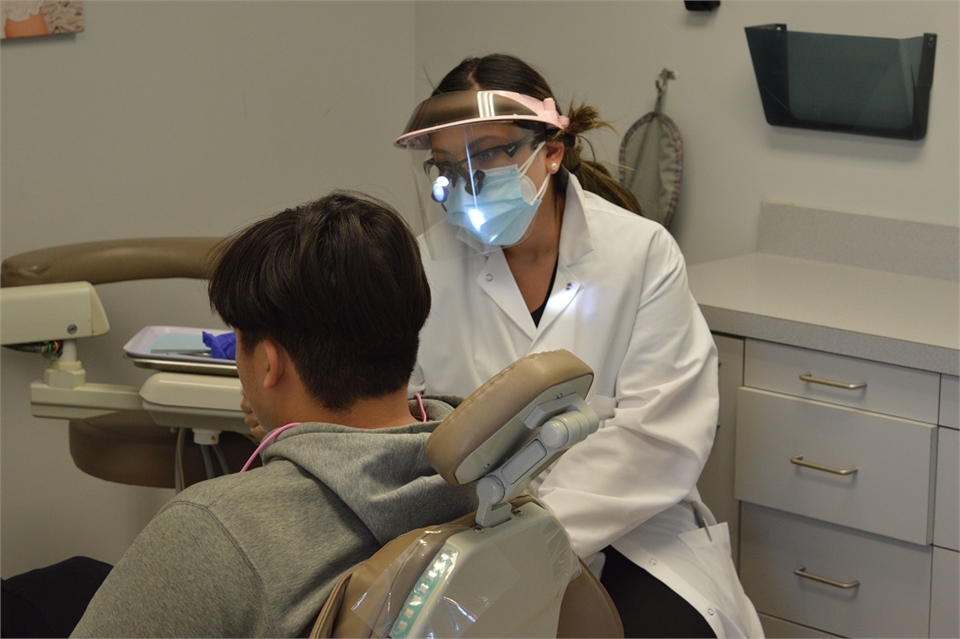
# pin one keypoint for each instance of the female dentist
(530, 247)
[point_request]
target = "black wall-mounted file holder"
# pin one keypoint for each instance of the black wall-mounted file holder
(849, 84)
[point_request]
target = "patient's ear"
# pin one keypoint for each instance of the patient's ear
(276, 362)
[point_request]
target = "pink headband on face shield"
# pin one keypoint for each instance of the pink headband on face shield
(458, 108)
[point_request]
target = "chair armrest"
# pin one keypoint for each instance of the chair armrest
(112, 261)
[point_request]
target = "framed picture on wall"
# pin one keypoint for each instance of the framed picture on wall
(31, 18)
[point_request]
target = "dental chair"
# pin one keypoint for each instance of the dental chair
(119, 433)
(506, 570)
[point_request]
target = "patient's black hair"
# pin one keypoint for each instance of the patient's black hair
(337, 282)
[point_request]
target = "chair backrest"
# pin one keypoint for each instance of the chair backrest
(507, 570)
(126, 447)
(111, 261)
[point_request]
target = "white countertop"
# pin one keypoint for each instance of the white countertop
(872, 314)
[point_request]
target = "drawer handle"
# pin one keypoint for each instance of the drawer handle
(808, 377)
(846, 585)
(798, 460)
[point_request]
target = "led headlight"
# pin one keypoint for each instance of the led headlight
(440, 190)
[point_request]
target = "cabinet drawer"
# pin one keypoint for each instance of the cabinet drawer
(946, 518)
(887, 591)
(716, 480)
(888, 464)
(944, 617)
(949, 403)
(774, 628)
(881, 388)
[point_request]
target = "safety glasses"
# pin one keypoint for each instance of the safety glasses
(444, 175)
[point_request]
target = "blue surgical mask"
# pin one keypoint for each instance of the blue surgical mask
(501, 213)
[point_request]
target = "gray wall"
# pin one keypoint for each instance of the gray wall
(609, 54)
(165, 119)
(193, 118)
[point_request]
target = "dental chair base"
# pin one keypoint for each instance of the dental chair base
(366, 602)
(532, 552)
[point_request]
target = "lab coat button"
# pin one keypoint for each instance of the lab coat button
(489, 277)
(653, 562)
(710, 611)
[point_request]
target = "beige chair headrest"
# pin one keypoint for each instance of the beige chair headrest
(491, 419)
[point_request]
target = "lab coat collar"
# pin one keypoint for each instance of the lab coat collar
(575, 238)
(496, 280)
(575, 243)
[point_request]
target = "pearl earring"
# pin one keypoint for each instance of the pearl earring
(554, 167)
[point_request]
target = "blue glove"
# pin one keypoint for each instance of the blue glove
(221, 346)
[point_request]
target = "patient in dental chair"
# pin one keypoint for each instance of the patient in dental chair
(327, 301)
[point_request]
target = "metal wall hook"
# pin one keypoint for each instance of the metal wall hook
(661, 83)
(665, 76)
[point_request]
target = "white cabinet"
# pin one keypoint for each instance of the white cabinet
(845, 381)
(864, 470)
(949, 404)
(716, 480)
(947, 522)
(837, 469)
(944, 613)
(832, 578)
(847, 421)
(774, 627)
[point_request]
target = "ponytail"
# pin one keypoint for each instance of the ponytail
(593, 176)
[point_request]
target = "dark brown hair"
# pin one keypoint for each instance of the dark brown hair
(337, 282)
(509, 73)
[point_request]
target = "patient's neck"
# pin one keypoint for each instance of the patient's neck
(385, 411)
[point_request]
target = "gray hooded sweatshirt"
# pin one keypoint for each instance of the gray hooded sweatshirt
(256, 554)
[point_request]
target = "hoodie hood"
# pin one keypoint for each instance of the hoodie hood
(382, 475)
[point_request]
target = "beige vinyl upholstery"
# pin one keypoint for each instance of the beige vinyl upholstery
(500, 398)
(338, 621)
(111, 261)
(586, 609)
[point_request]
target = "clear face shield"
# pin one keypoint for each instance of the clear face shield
(470, 154)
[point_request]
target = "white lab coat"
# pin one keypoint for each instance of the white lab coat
(621, 303)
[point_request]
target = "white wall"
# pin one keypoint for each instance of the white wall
(609, 54)
(193, 118)
(166, 119)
